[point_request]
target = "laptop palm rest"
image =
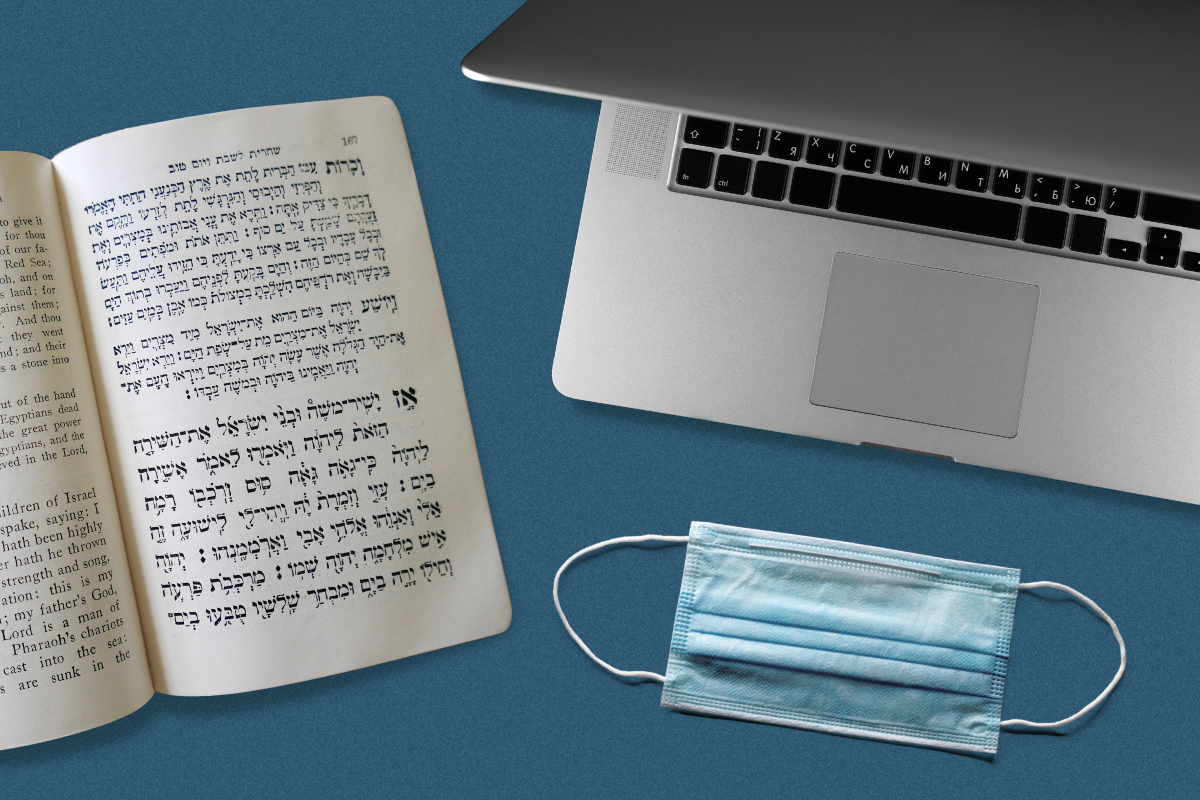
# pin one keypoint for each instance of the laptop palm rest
(923, 344)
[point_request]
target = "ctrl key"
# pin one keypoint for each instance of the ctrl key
(733, 174)
(695, 168)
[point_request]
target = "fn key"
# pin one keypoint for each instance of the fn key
(695, 168)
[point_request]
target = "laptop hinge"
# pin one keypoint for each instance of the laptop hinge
(905, 450)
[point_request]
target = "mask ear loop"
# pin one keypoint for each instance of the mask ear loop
(654, 676)
(1107, 690)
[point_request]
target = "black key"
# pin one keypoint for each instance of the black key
(747, 139)
(1046, 227)
(1009, 182)
(822, 151)
(1087, 235)
(972, 176)
(1046, 189)
(919, 206)
(733, 173)
(811, 187)
(935, 170)
(705, 132)
(769, 180)
(860, 157)
(1121, 202)
(1085, 196)
(897, 164)
(1164, 238)
(1171, 210)
(1191, 261)
(1160, 257)
(1126, 251)
(785, 145)
(694, 168)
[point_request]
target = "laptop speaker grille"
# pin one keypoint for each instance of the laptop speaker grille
(639, 141)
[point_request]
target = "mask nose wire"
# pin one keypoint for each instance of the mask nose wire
(1107, 690)
(654, 676)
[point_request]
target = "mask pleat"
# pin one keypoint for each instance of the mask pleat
(846, 665)
(796, 635)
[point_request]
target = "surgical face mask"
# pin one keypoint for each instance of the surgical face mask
(842, 638)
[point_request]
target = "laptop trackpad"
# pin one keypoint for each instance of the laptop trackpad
(923, 344)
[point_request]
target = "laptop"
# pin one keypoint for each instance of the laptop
(965, 230)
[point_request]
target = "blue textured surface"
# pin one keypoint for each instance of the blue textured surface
(524, 714)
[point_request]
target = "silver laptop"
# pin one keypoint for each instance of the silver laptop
(965, 230)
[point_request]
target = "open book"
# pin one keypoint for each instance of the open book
(234, 446)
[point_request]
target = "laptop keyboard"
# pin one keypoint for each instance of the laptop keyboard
(1049, 213)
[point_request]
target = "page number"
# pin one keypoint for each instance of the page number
(349, 140)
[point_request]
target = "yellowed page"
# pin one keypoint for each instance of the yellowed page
(71, 654)
(290, 439)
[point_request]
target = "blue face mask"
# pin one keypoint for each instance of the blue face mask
(843, 638)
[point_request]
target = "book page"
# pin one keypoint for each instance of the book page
(71, 654)
(292, 452)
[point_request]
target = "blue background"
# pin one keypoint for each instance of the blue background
(502, 175)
